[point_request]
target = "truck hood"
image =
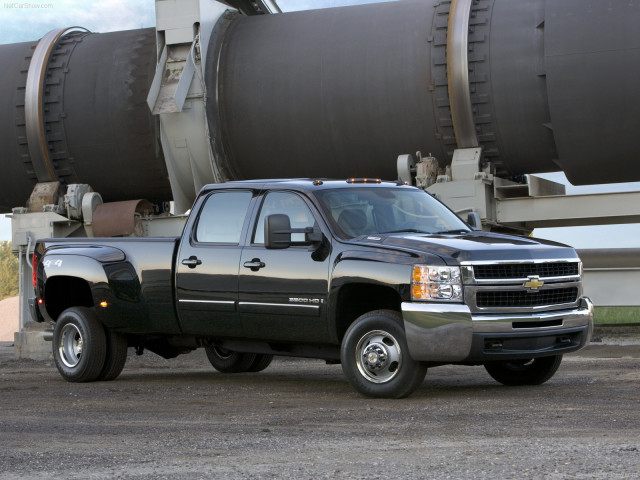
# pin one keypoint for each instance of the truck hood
(476, 247)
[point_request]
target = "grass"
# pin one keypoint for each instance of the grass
(613, 315)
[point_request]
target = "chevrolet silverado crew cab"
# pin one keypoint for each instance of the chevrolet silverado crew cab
(378, 276)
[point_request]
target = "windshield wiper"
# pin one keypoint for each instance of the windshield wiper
(406, 230)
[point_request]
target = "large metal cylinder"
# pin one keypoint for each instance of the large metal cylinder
(329, 93)
(552, 85)
(541, 85)
(17, 178)
(90, 122)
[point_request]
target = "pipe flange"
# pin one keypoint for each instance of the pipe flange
(34, 104)
(458, 74)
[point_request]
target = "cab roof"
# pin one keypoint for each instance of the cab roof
(306, 184)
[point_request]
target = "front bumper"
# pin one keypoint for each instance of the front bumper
(451, 333)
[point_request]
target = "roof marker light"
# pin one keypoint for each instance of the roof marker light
(364, 180)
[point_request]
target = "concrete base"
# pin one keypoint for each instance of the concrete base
(31, 344)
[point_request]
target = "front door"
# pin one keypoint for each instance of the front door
(208, 263)
(283, 293)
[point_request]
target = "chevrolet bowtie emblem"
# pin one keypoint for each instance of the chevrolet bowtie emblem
(534, 283)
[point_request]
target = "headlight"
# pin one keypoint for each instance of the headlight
(436, 283)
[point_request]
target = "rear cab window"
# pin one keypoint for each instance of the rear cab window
(222, 217)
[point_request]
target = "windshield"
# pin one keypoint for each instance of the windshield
(369, 211)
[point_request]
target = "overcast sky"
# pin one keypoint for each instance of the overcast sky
(23, 21)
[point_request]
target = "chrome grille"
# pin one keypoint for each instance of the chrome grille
(522, 286)
(520, 298)
(524, 270)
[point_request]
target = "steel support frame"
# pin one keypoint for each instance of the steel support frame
(570, 210)
(186, 141)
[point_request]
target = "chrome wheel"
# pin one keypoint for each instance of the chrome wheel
(378, 356)
(375, 357)
(79, 345)
(70, 346)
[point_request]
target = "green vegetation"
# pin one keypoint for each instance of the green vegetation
(604, 315)
(8, 271)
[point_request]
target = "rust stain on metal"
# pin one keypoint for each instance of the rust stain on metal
(117, 219)
(45, 193)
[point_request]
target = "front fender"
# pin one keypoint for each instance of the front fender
(376, 269)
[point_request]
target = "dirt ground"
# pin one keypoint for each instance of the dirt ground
(8, 318)
(300, 419)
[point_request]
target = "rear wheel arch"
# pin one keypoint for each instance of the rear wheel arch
(62, 292)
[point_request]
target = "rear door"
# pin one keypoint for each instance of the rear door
(208, 262)
(283, 293)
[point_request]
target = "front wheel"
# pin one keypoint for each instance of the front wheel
(375, 357)
(534, 371)
(79, 345)
(227, 361)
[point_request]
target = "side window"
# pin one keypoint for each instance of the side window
(290, 204)
(222, 217)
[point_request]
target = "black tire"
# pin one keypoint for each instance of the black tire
(375, 357)
(79, 345)
(117, 347)
(227, 361)
(533, 371)
(260, 363)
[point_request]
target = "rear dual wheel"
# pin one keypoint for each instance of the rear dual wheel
(84, 350)
(261, 362)
(117, 348)
(228, 361)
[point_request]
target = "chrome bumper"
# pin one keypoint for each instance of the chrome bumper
(450, 333)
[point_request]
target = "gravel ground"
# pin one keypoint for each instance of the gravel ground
(300, 419)
(8, 318)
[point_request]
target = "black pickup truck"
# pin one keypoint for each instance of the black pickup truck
(378, 276)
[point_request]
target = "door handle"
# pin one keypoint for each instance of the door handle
(255, 264)
(192, 261)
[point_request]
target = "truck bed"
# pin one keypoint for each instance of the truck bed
(137, 279)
